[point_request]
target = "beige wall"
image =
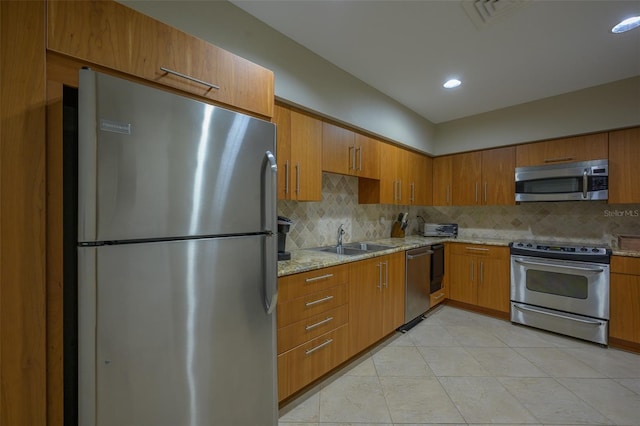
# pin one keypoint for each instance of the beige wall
(610, 106)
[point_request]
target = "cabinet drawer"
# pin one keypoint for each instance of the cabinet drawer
(302, 365)
(478, 250)
(437, 297)
(299, 332)
(294, 286)
(625, 265)
(310, 305)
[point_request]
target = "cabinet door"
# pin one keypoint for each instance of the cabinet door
(393, 291)
(367, 157)
(493, 282)
(365, 306)
(624, 307)
(421, 180)
(338, 150)
(624, 157)
(114, 36)
(578, 148)
(442, 180)
(306, 154)
(498, 176)
(389, 182)
(462, 278)
(282, 120)
(466, 177)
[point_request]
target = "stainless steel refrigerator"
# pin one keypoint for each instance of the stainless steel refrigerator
(177, 255)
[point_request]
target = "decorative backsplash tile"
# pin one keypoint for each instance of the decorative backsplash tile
(316, 223)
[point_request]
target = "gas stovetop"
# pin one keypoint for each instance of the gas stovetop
(560, 250)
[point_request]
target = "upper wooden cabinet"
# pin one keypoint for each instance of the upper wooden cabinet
(108, 34)
(349, 153)
(442, 169)
(405, 179)
(578, 148)
(483, 177)
(624, 158)
(299, 147)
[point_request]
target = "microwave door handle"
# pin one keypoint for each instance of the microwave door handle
(547, 265)
(585, 182)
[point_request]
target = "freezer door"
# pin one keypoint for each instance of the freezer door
(182, 335)
(153, 164)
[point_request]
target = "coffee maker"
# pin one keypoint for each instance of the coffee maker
(284, 224)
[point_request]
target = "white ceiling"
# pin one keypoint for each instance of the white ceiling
(527, 50)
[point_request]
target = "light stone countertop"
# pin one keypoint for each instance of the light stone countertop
(303, 260)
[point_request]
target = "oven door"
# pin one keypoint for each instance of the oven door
(577, 287)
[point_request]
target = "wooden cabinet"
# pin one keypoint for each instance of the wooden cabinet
(299, 148)
(312, 321)
(466, 177)
(484, 177)
(376, 294)
(624, 158)
(405, 179)
(349, 153)
(624, 323)
(416, 171)
(112, 35)
(442, 170)
(479, 275)
(577, 148)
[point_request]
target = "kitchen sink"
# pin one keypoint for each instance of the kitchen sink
(368, 247)
(353, 249)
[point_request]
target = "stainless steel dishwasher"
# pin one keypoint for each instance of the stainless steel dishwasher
(418, 283)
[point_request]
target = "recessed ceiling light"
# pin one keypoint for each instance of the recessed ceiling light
(626, 25)
(450, 84)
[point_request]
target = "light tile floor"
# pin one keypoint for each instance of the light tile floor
(458, 367)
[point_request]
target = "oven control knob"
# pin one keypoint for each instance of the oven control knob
(583, 249)
(529, 245)
(520, 245)
(595, 250)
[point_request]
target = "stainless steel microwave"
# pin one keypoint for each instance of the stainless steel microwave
(579, 181)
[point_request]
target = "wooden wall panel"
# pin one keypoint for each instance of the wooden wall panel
(22, 214)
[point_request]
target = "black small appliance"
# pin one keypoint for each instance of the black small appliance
(284, 224)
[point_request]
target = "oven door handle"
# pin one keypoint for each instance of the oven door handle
(549, 265)
(522, 308)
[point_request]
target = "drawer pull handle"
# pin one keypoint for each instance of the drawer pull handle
(315, 302)
(320, 346)
(188, 77)
(476, 248)
(318, 324)
(440, 296)
(321, 277)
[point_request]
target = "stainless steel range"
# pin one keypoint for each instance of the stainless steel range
(561, 288)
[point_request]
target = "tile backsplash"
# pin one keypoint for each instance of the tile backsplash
(316, 223)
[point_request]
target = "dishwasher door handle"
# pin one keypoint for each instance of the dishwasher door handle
(413, 256)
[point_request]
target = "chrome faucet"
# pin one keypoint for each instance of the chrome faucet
(340, 234)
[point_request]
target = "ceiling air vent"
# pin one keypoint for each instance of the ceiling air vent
(484, 13)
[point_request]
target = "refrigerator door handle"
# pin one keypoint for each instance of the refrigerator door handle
(87, 156)
(270, 186)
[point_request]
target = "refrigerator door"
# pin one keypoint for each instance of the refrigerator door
(183, 336)
(157, 165)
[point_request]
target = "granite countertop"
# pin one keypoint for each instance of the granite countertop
(303, 260)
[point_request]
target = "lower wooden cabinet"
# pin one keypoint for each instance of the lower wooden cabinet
(479, 275)
(305, 363)
(312, 320)
(624, 305)
(376, 294)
